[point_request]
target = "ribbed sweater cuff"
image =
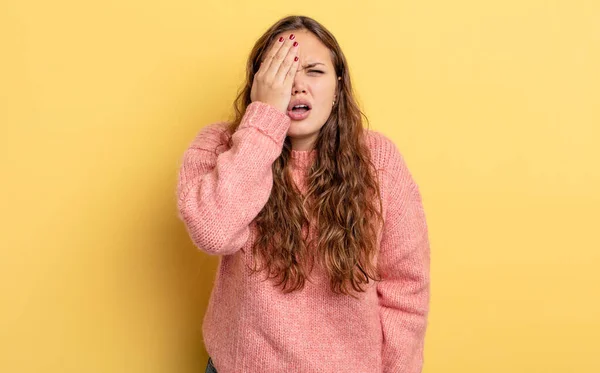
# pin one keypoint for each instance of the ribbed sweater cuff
(267, 119)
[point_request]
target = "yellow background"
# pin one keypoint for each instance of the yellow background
(495, 106)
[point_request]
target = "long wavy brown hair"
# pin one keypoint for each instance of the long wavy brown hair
(342, 186)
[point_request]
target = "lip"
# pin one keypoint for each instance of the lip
(299, 101)
(298, 116)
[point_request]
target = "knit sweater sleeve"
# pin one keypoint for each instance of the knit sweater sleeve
(404, 262)
(219, 194)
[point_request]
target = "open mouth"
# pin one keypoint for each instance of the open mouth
(299, 112)
(300, 108)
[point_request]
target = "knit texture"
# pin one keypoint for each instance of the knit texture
(252, 326)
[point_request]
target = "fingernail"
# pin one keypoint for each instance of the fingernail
(295, 58)
(292, 36)
(295, 44)
(281, 38)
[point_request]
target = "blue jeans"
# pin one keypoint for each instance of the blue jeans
(210, 368)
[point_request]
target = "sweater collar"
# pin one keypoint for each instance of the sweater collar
(303, 159)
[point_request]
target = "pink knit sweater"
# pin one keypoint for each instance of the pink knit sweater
(250, 325)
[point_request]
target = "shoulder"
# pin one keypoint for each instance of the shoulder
(385, 155)
(399, 184)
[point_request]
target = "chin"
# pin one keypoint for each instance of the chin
(301, 128)
(298, 130)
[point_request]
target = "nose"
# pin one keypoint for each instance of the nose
(299, 85)
(296, 90)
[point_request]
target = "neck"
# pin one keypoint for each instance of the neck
(303, 144)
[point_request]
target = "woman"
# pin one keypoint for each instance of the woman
(319, 225)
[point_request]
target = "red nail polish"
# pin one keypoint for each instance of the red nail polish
(292, 36)
(295, 58)
(281, 38)
(295, 43)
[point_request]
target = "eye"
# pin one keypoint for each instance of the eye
(315, 71)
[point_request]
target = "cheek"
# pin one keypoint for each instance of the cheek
(323, 93)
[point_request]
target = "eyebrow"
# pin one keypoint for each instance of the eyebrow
(313, 65)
